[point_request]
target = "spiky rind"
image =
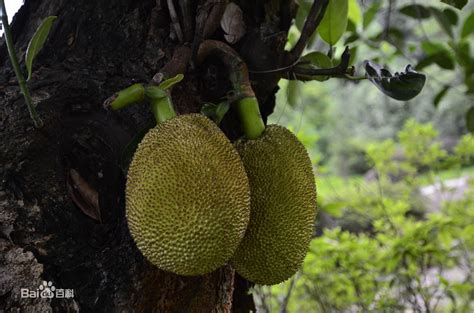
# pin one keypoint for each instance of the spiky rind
(283, 207)
(187, 196)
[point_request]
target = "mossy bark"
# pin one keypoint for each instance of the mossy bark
(95, 49)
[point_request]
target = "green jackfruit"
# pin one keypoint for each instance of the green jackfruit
(283, 207)
(187, 196)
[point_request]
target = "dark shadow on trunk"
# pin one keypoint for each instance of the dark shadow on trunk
(95, 49)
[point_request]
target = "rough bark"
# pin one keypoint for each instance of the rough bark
(95, 49)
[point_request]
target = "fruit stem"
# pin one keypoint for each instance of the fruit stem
(162, 109)
(250, 117)
(247, 104)
(128, 96)
(16, 67)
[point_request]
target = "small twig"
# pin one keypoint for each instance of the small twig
(296, 71)
(312, 22)
(343, 69)
(215, 17)
(355, 78)
(186, 13)
(239, 75)
(388, 18)
(276, 70)
(262, 307)
(305, 74)
(175, 20)
(286, 299)
(177, 65)
(153, 19)
(16, 67)
(136, 93)
(208, 19)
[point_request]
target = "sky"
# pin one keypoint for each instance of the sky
(12, 7)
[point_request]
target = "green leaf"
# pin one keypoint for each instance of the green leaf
(171, 82)
(416, 11)
(470, 120)
(458, 4)
(334, 208)
(215, 112)
(432, 47)
(468, 27)
(209, 110)
(436, 53)
(441, 59)
(400, 86)
(352, 38)
(370, 14)
(443, 21)
(355, 14)
(451, 15)
(351, 27)
(303, 11)
(469, 81)
(437, 99)
(463, 54)
(334, 22)
(293, 92)
(155, 92)
(395, 34)
(319, 60)
(37, 42)
(353, 52)
(221, 111)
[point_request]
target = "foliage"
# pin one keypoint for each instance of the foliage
(334, 22)
(410, 255)
(388, 246)
(35, 45)
(37, 41)
(346, 114)
(432, 36)
(400, 86)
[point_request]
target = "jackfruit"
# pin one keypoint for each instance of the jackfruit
(283, 207)
(187, 196)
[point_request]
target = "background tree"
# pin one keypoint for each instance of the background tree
(74, 161)
(62, 185)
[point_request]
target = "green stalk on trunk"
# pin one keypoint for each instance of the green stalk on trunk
(16, 67)
(246, 102)
(250, 118)
(162, 109)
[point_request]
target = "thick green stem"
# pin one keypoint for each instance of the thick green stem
(162, 109)
(247, 104)
(128, 96)
(249, 114)
(16, 67)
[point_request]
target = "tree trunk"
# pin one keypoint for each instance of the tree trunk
(95, 49)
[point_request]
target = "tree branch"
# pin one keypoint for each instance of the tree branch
(301, 71)
(388, 18)
(186, 13)
(239, 75)
(208, 19)
(284, 304)
(312, 22)
(177, 65)
(305, 73)
(175, 20)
